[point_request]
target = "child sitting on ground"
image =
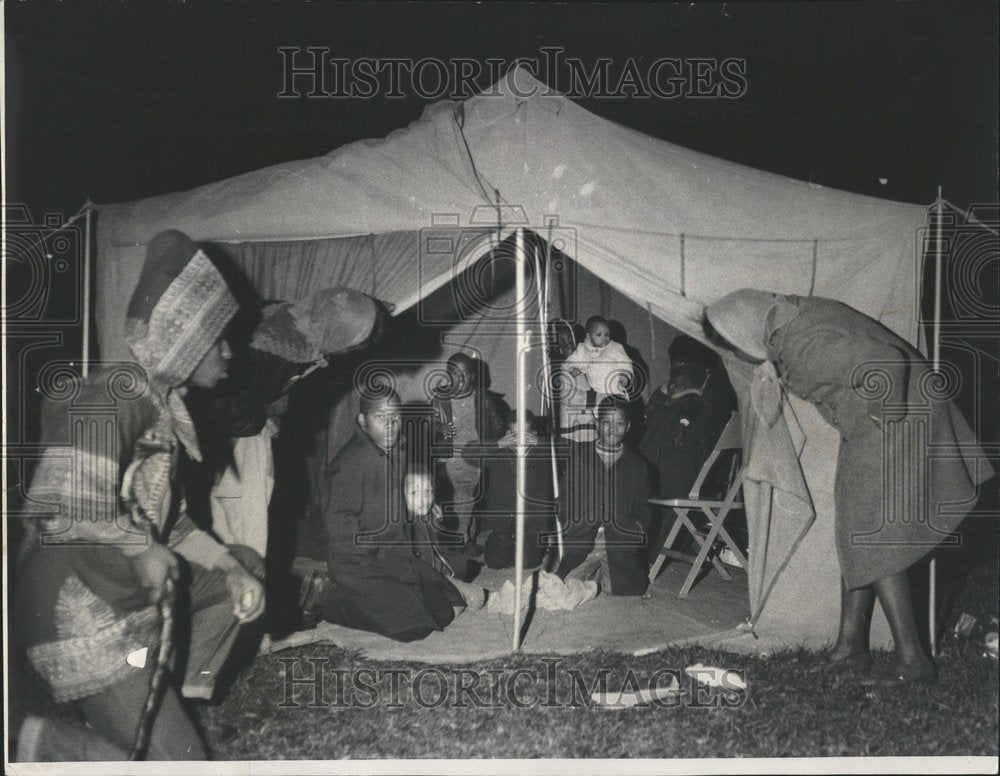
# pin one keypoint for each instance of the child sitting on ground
(603, 362)
(495, 512)
(424, 525)
(377, 581)
(604, 514)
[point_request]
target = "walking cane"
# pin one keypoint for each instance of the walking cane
(166, 610)
(165, 607)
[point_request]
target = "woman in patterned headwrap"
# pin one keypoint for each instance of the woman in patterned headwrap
(110, 523)
(875, 389)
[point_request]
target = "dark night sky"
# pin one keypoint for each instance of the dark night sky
(122, 101)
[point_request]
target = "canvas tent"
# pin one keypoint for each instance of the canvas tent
(667, 229)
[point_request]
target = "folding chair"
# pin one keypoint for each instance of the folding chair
(713, 509)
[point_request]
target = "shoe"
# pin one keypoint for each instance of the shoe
(902, 674)
(474, 596)
(311, 595)
(856, 661)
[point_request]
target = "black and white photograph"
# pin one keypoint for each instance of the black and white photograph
(495, 387)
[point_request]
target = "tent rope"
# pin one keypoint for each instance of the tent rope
(652, 333)
(812, 277)
(459, 117)
(969, 218)
(371, 244)
(49, 231)
(683, 269)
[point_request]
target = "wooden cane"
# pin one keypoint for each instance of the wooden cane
(166, 608)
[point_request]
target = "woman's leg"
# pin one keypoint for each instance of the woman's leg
(894, 596)
(115, 714)
(856, 607)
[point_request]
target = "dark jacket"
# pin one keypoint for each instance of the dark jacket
(593, 495)
(490, 421)
(680, 435)
(495, 510)
(381, 572)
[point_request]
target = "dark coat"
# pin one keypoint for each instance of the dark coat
(680, 435)
(380, 569)
(907, 468)
(494, 512)
(490, 421)
(593, 495)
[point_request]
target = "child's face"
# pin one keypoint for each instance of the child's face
(418, 490)
(565, 343)
(600, 335)
(681, 378)
(462, 376)
(612, 428)
(382, 423)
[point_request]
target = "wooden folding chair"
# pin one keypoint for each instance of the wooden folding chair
(713, 509)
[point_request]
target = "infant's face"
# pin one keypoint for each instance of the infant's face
(600, 335)
(418, 490)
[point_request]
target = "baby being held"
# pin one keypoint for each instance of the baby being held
(602, 361)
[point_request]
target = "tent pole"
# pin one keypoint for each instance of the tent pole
(522, 407)
(548, 403)
(85, 347)
(932, 571)
(937, 283)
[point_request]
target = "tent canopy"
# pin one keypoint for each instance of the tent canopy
(668, 228)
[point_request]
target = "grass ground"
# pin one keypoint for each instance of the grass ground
(792, 707)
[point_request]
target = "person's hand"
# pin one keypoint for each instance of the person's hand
(246, 592)
(575, 371)
(448, 430)
(154, 566)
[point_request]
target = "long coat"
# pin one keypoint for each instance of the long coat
(908, 464)
(381, 572)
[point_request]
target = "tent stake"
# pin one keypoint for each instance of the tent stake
(522, 407)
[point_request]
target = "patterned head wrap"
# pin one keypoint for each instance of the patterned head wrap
(179, 309)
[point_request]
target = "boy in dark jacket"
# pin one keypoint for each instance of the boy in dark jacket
(603, 506)
(377, 580)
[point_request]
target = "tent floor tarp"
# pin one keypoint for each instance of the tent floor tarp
(617, 624)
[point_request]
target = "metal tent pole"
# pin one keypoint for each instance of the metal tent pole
(522, 408)
(932, 570)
